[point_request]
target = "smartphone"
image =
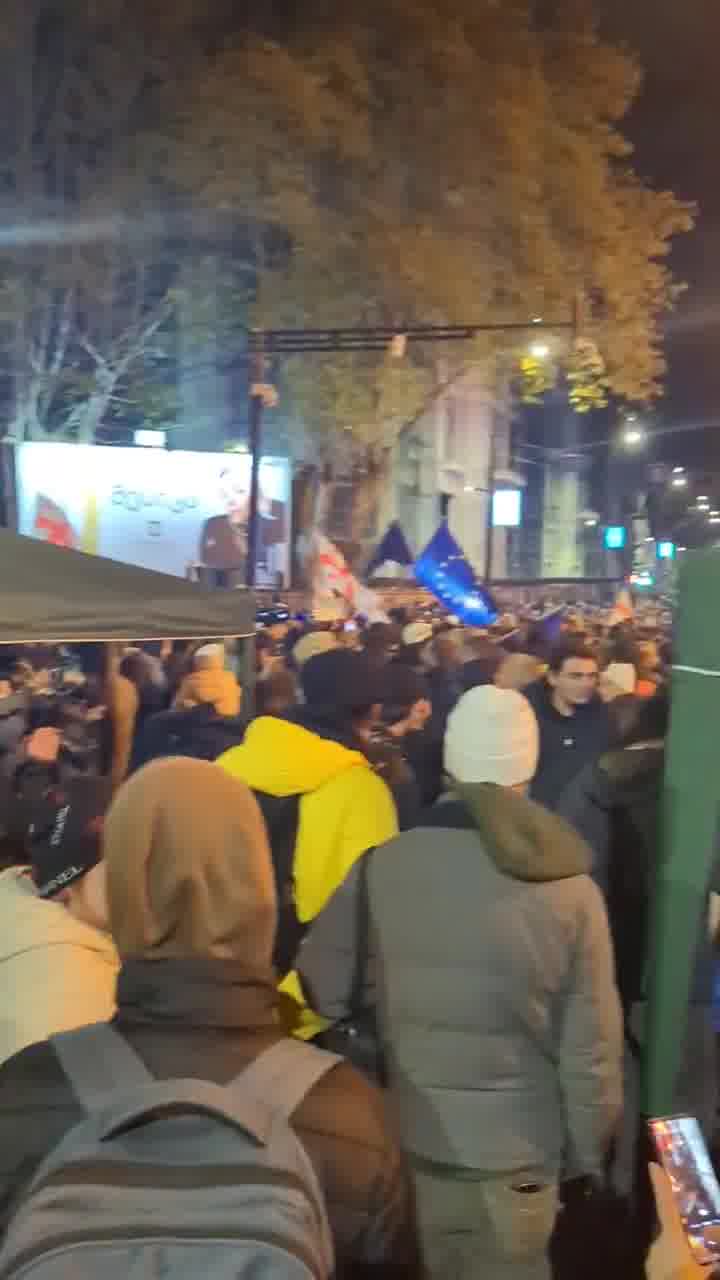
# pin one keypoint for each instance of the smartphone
(683, 1154)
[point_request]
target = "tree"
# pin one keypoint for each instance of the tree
(87, 264)
(410, 161)
(433, 162)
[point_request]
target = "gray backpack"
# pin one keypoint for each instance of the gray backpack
(180, 1179)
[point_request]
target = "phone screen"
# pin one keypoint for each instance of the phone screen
(684, 1156)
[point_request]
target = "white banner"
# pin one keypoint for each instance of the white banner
(160, 510)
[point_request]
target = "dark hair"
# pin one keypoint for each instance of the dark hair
(651, 720)
(622, 647)
(568, 649)
(134, 668)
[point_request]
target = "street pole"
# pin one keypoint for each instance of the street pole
(490, 528)
(256, 405)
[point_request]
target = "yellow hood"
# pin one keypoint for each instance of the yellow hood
(284, 759)
(345, 810)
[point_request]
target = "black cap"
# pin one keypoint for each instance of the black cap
(272, 616)
(341, 680)
(64, 838)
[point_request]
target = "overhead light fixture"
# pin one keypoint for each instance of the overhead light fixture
(678, 471)
(539, 351)
(633, 437)
(702, 497)
(703, 506)
(680, 482)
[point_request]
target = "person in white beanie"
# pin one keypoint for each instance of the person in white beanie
(497, 1002)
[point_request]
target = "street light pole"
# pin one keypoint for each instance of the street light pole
(490, 528)
(256, 405)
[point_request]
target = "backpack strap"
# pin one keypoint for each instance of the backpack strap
(282, 819)
(284, 1074)
(97, 1061)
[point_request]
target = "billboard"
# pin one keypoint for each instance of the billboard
(161, 510)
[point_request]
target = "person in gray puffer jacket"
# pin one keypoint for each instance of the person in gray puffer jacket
(497, 1002)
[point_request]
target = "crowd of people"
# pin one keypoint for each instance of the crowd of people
(398, 892)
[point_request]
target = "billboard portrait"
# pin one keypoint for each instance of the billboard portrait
(169, 511)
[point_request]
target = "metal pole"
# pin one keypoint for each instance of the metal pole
(257, 368)
(489, 532)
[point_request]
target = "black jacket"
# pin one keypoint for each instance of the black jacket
(200, 733)
(616, 805)
(567, 743)
(208, 1020)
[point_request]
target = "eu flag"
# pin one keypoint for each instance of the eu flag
(443, 569)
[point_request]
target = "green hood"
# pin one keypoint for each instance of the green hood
(525, 841)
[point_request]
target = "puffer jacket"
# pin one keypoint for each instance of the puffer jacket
(497, 994)
(55, 972)
(208, 1019)
(345, 810)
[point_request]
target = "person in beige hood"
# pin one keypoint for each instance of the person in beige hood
(192, 907)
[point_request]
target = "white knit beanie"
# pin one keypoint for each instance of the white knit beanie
(492, 736)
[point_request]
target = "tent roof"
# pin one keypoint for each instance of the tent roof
(55, 595)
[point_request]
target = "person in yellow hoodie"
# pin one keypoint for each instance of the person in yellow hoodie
(324, 805)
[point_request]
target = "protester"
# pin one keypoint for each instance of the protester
(483, 667)
(406, 714)
(58, 963)
(416, 637)
(649, 676)
(518, 671)
(13, 720)
(498, 1002)
(445, 677)
(616, 807)
(138, 669)
(312, 644)
(277, 695)
(209, 684)
(383, 640)
(193, 913)
(324, 805)
(575, 724)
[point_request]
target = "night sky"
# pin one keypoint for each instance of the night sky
(676, 129)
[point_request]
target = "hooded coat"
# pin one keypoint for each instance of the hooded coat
(497, 995)
(345, 810)
(192, 907)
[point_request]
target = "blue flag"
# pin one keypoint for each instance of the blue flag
(443, 569)
(393, 548)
